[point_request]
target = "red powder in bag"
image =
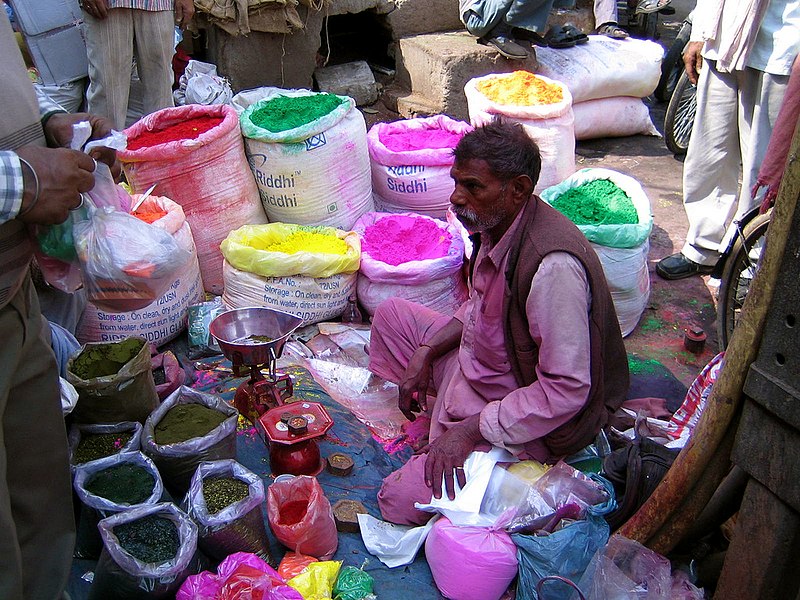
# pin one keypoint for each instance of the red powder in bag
(419, 139)
(149, 217)
(185, 130)
(293, 512)
(402, 238)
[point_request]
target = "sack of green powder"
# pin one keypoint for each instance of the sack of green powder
(622, 247)
(114, 381)
(92, 442)
(308, 153)
(413, 257)
(309, 272)
(148, 552)
(188, 428)
(108, 486)
(225, 501)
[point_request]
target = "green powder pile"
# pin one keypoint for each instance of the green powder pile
(99, 445)
(121, 484)
(219, 492)
(186, 421)
(597, 202)
(284, 113)
(151, 539)
(102, 360)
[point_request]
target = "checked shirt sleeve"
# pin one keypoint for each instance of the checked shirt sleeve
(11, 185)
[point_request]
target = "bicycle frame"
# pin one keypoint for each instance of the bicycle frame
(739, 225)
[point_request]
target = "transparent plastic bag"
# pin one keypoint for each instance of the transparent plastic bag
(301, 517)
(120, 575)
(126, 264)
(77, 432)
(238, 526)
(177, 462)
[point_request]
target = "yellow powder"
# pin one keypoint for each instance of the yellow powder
(520, 88)
(309, 241)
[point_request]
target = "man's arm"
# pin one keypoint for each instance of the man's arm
(559, 324)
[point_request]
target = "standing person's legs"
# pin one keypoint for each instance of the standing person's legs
(155, 46)
(605, 11)
(37, 532)
(711, 169)
(109, 47)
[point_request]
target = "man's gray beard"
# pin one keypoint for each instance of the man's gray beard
(469, 219)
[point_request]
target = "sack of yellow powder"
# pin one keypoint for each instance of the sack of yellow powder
(305, 271)
(544, 108)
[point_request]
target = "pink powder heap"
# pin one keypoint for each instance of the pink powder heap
(408, 140)
(401, 238)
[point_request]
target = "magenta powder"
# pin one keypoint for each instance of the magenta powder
(401, 238)
(408, 140)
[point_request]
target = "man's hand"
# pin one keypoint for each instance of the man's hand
(97, 8)
(693, 60)
(63, 175)
(184, 11)
(58, 132)
(414, 383)
(446, 455)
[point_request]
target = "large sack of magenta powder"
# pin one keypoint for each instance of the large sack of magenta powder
(413, 257)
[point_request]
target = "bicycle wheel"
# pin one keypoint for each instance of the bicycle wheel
(672, 65)
(740, 269)
(679, 119)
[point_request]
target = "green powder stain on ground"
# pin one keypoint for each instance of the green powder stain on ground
(219, 492)
(151, 539)
(651, 324)
(597, 202)
(284, 113)
(102, 360)
(186, 421)
(122, 484)
(639, 366)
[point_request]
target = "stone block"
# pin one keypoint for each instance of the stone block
(437, 66)
(343, 7)
(354, 79)
(412, 17)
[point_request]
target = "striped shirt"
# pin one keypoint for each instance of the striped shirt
(11, 186)
(143, 4)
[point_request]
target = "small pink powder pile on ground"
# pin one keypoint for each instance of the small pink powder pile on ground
(401, 238)
(419, 139)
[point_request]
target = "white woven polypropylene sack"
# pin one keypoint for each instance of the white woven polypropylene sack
(443, 295)
(604, 67)
(629, 281)
(618, 116)
(551, 126)
(316, 174)
(312, 299)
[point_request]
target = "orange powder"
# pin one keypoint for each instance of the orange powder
(520, 88)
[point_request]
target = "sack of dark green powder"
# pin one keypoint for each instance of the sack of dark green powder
(93, 442)
(148, 552)
(225, 501)
(188, 428)
(108, 486)
(613, 212)
(114, 381)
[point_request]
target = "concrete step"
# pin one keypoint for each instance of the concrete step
(433, 68)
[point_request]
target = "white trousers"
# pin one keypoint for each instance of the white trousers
(110, 46)
(732, 126)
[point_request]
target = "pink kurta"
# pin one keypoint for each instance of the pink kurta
(477, 378)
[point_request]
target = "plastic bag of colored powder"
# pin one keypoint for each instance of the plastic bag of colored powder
(315, 251)
(520, 88)
(316, 582)
(598, 202)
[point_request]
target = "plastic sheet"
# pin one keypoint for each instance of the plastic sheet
(94, 508)
(177, 462)
(311, 530)
(241, 576)
(127, 395)
(122, 576)
(237, 527)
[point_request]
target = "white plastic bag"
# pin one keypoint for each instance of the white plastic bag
(394, 545)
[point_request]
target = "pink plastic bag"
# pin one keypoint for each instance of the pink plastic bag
(241, 576)
(301, 517)
(470, 563)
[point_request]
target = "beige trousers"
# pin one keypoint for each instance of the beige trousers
(111, 45)
(37, 529)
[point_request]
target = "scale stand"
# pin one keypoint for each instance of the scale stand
(258, 394)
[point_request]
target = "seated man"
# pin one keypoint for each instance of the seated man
(533, 362)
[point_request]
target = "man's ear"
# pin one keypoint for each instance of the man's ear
(521, 187)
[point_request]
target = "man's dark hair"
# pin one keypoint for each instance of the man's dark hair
(505, 147)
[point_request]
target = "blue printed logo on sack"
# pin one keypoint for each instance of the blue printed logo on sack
(316, 141)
